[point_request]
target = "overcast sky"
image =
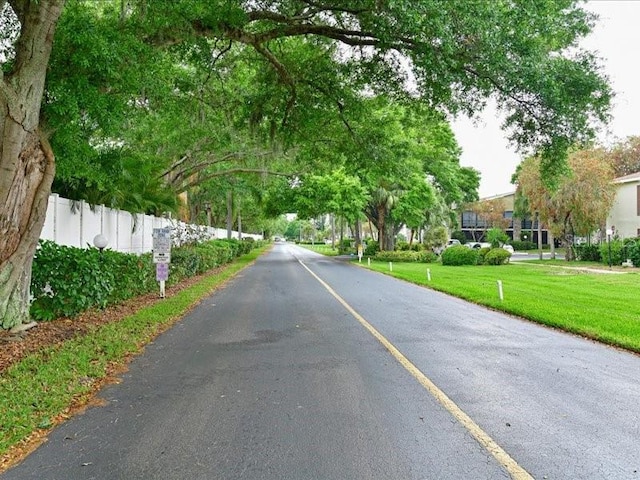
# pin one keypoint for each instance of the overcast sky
(616, 38)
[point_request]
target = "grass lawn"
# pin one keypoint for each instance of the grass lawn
(602, 306)
(321, 248)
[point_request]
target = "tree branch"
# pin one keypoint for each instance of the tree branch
(526, 105)
(323, 8)
(284, 75)
(231, 171)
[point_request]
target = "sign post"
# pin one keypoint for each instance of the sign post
(162, 255)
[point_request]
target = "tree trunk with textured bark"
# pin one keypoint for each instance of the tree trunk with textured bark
(27, 163)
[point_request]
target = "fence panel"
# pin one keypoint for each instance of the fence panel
(75, 224)
(68, 223)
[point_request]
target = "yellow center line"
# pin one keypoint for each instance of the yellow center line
(503, 458)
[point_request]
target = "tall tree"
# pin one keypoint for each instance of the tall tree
(414, 205)
(586, 196)
(27, 163)
(625, 157)
(460, 53)
(580, 200)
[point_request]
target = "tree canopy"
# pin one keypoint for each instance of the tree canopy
(581, 199)
(171, 94)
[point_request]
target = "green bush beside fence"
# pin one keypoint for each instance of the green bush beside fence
(66, 281)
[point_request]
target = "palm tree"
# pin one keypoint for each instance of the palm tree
(381, 203)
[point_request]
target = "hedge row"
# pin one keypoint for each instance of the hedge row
(523, 245)
(617, 250)
(66, 281)
(406, 256)
(462, 255)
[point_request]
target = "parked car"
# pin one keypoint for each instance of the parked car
(450, 243)
(477, 245)
(474, 245)
(508, 248)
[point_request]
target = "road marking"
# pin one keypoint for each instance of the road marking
(503, 458)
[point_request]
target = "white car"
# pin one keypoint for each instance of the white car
(453, 242)
(477, 245)
(508, 248)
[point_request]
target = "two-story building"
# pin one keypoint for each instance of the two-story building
(475, 224)
(624, 217)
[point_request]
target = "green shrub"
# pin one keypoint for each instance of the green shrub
(496, 256)
(632, 251)
(185, 262)
(482, 253)
(406, 256)
(402, 245)
(372, 248)
(522, 245)
(616, 252)
(588, 253)
(497, 237)
(135, 275)
(395, 256)
(66, 281)
(426, 256)
(405, 246)
(459, 255)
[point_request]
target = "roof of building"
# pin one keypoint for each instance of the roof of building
(496, 197)
(633, 177)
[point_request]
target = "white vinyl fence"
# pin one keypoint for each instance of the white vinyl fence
(75, 224)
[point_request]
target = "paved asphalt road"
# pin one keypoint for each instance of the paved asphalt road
(273, 378)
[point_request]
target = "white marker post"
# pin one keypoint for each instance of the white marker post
(368, 261)
(500, 293)
(390, 267)
(360, 252)
(429, 274)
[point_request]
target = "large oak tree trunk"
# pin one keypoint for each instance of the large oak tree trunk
(26, 162)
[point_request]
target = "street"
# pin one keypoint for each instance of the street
(307, 367)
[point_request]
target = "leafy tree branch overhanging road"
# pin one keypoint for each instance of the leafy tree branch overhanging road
(461, 53)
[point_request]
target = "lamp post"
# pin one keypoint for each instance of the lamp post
(609, 233)
(100, 242)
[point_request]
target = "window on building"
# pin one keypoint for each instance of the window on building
(469, 219)
(508, 214)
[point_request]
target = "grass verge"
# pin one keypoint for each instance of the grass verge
(600, 306)
(326, 250)
(39, 391)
